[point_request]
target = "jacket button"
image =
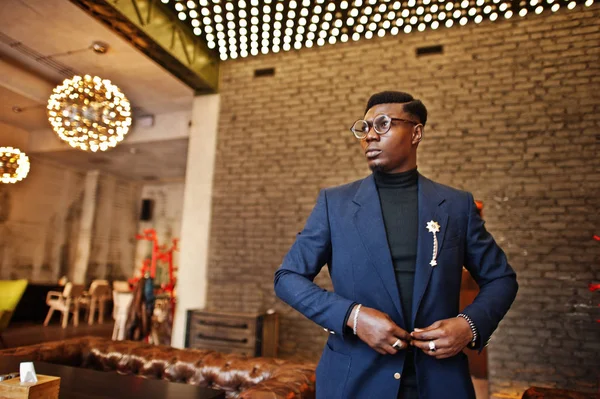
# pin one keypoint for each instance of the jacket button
(397, 376)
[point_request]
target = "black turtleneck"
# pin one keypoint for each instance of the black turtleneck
(399, 205)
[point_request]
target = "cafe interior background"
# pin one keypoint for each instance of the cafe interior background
(187, 141)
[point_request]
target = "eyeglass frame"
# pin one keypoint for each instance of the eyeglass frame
(371, 126)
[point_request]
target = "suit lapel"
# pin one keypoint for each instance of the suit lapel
(368, 220)
(429, 210)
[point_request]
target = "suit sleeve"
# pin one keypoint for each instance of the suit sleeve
(496, 279)
(294, 278)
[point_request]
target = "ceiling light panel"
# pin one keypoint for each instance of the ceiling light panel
(242, 28)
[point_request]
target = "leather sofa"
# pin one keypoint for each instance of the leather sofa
(238, 375)
(552, 393)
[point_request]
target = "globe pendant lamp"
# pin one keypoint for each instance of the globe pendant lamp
(14, 165)
(89, 113)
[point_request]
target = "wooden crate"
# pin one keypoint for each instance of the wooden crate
(47, 387)
(250, 334)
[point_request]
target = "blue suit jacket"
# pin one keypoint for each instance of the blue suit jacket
(346, 231)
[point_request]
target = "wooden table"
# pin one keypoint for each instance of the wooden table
(79, 383)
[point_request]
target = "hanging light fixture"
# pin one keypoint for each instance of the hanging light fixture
(89, 113)
(248, 28)
(14, 165)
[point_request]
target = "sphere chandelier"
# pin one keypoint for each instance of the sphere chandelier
(89, 113)
(14, 165)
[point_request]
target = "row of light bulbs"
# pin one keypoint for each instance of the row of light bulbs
(376, 18)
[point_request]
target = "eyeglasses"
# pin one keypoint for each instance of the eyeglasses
(381, 124)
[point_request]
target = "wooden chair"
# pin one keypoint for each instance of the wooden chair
(121, 286)
(65, 302)
(121, 303)
(95, 299)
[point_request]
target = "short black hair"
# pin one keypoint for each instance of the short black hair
(411, 105)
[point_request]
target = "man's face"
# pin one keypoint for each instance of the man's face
(396, 150)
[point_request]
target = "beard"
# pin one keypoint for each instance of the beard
(377, 168)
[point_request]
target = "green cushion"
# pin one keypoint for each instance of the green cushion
(11, 292)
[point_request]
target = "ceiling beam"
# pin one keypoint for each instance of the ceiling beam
(154, 30)
(22, 82)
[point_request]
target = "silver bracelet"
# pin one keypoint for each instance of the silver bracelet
(471, 324)
(356, 318)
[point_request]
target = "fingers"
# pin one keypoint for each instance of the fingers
(381, 351)
(389, 349)
(401, 333)
(432, 332)
(399, 344)
(424, 346)
(427, 335)
(442, 348)
(392, 347)
(431, 327)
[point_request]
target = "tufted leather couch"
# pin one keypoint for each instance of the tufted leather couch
(552, 393)
(238, 375)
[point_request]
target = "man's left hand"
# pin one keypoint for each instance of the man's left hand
(450, 336)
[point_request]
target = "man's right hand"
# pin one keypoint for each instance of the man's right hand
(378, 330)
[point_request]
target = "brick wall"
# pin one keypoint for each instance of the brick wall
(514, 118)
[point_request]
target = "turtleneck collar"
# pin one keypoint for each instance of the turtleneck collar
(396, 180)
